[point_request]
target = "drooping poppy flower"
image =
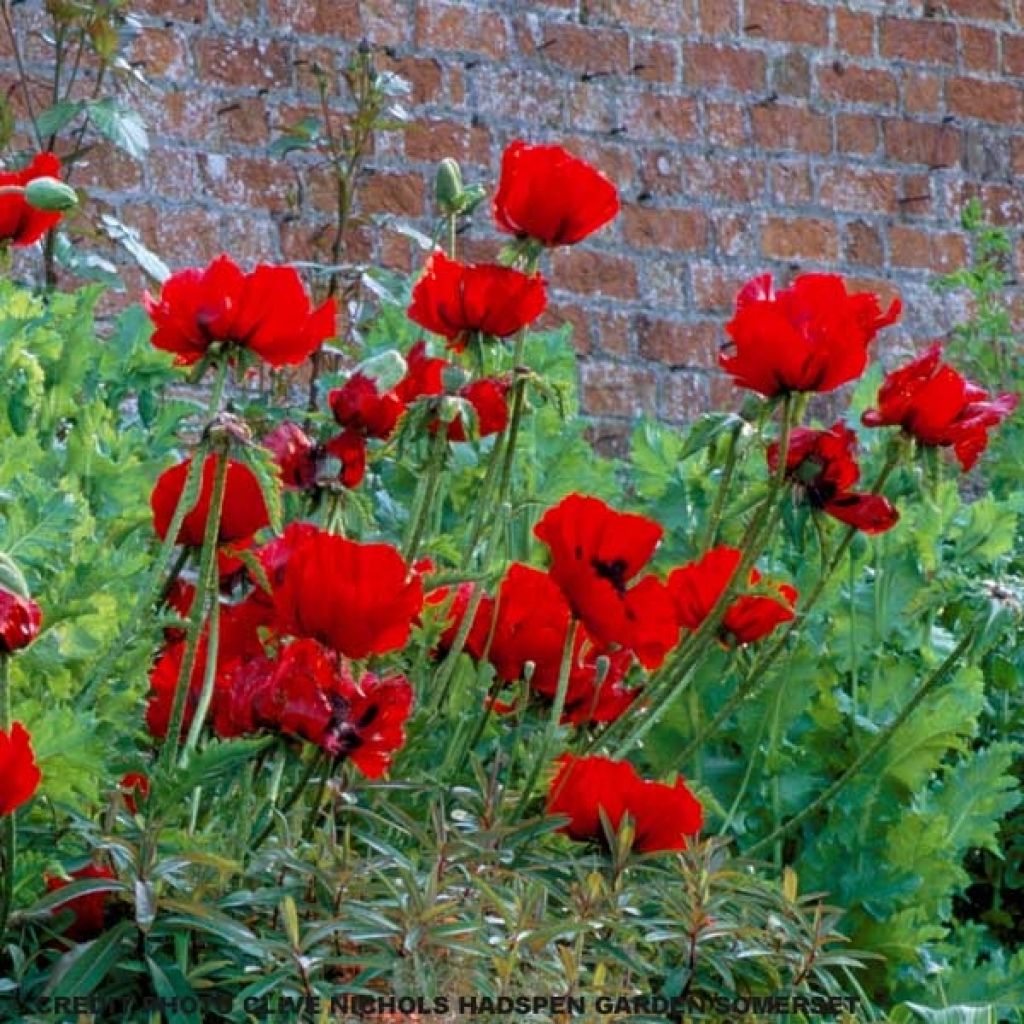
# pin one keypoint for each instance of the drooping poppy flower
(424, 374)
(88, 911)
(664, 817)
(822, 463)
(20, 621)
(20, 222)
(489, 398)
(596, 555)
(811, 336)
(547, 194)
(349, 448)
(131, 785)
(244, 511)
(295, 454)
(696, 587)
(359, 599)
(361, 406)
(19, 773)
(309, 693)
(455, 299)
(937, 406)
(265, 311)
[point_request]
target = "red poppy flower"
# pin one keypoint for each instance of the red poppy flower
(266, 311)
(132, 784)
(663, 816)
(349, 448)
(812, 336)
(697, 586)
(424, 374)
(88, 911)
(937, 406)
(455, 299)
(547, 194)
(489, 399)
(21, 223)
(295, 453)
(19, 773)
(360, 406)
(596, 553)
(20, 621)
(359, 599)
(244, 511)
(822, 462)
(377, 710)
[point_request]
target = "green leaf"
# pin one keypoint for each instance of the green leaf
(80, 971)
(58, 117)
(124, 127)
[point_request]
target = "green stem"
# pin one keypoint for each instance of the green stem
(206, 583)
(318, 800)
(880, 740)
(290, 802)
(9, 839)
(564, 671)
(209, 679)
(718, 506)
(428, 491)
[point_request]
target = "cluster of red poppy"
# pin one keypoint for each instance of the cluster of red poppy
(285, 659)
(20, 622)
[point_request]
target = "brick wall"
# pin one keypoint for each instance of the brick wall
(744, 135)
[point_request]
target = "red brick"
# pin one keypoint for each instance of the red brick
(790, 21)
(858, 190)
(393, 193)
(617, 389)
(559, 314)
(159, 52)
(395, 252)
(446, 27)
(614, 161)
(591, 108)
(715, 287)
(912, 142)
(1003, 205)
(586, 49)
(107, 167)
(791, 184)
(648, 116)
(249, 181)
(677, 344)
(726, 124)
(244, 121)
(710, 66)
(186, 236)
(922, 92)
(986, 101)
(862, 244)
(855, 33)
(173, 174)
(802, 238)
(257, 63)
(916, 197)
(317, 17)
(250, 240)
(719, 17)
(434, 140)
(734, 179)
(655, 228)
(183, 10)
(612, 440)
(655, 61)
(1013, 55)
(857, 133)
(422, 73)
(684, 397)
(849, 83)
(791, 75)
(386, 22)
(613, 333)
(979, 10)
(735, 236)
(921, 40)
(780, 127)
(979, 48)
(724, 394)
(673, 16)
(938, 251)
(594, 273)
(235, 12)
(1017, 156)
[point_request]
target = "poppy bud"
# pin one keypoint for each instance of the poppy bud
(50, 195)
(448, 186)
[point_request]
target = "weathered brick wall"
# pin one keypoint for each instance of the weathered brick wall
(744, 134)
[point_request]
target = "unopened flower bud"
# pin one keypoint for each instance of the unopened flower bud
(50, 195)
(448, 186)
